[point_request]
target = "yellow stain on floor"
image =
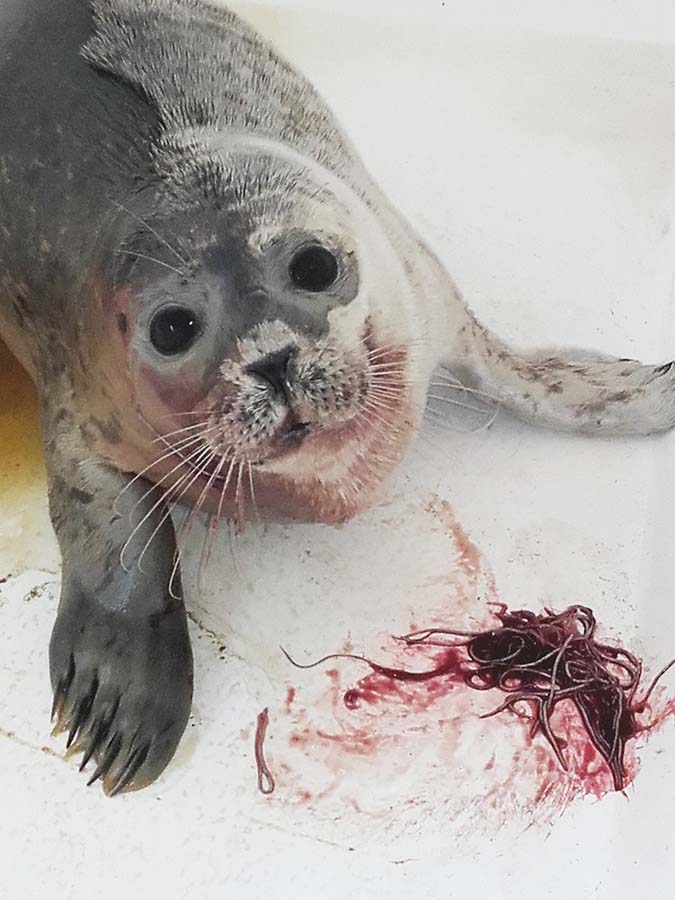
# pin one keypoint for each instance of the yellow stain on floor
(26, 537)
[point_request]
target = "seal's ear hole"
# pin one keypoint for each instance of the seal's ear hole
(173, 330)
(314, 269)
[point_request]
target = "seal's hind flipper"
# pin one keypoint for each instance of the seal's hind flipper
(574, 391)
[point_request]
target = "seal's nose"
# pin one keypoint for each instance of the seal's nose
(275, 369)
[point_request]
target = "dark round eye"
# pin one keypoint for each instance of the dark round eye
(313, 269)
(173, 330)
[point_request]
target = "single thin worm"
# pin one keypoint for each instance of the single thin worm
(265, 778)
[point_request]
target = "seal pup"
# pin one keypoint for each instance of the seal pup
(219, 308)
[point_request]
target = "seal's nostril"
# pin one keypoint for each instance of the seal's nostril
(257, 295)
(298, 428)
(274, 369)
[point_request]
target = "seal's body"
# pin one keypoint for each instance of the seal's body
(219, 307)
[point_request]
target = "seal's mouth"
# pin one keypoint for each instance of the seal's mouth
(302, 443)
(293, 436)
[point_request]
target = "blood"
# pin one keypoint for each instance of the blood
(576, 692)
(357, 742)
(386, 684)
(468, 554)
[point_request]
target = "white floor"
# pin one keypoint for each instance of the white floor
(538, 157)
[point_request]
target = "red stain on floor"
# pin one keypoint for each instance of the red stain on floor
(467, 553)
(371, 732)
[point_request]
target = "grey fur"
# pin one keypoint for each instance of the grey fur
(202, 66)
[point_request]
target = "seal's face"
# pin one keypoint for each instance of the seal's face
(267, 343)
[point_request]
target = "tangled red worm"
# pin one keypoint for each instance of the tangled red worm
(543, 659)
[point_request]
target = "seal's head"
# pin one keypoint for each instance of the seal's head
(269, 336)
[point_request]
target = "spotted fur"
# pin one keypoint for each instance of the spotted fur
(158, 151)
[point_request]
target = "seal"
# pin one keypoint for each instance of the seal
(219, 308)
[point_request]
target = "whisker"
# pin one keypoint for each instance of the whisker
(186, 412)
(152, 259)
(186, 428)
(165, 515)
(390, 380)
(180, 446)
(156, 234)
(389, 368)
(457, 385)
(382, 404)
(172, 577)
(184, 460)
(151, 511)
(225, 486)
(375, 359)
(450, 401)
(186, 527)
(394, 380)
(202, 435)
(382, 350)
(253, 498)
(209, 484)
(387, 423)
(184, 441)
(385, 391)
(440, 420)
(214, 523)
(239, 497)
(163, 518)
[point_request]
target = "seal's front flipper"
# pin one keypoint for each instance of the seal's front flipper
(569, 391)
(120, 656)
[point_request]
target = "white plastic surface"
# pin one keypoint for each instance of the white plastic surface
(537, 154)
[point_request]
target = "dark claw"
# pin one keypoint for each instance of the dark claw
(82, 711)
(62, 689)
(98, 734)
(108, 759)
(136, 760)
(663, 370)
(59, 697)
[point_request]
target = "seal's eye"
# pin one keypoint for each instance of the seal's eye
(313, 269)
(173, 330)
